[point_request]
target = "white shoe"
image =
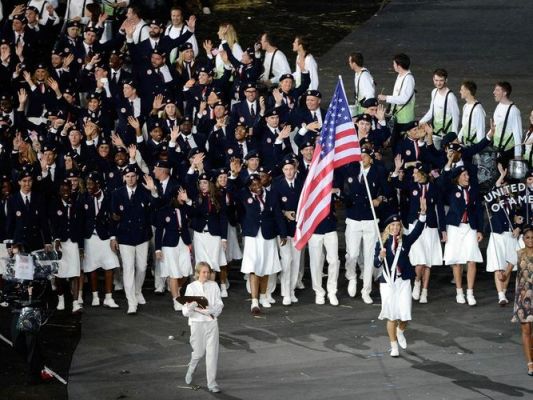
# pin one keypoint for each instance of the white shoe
(352, 287)
(333, 299)
(76, 307)
(110, 303)
(132, 310)
(159, 291)
(254, 308)
(366, 298)
(424, 296)
(502, 300)
(96, 301)
(263, 300)
(287, 300)
(401, 338)
(227, 284)
(223, 290)
(4, 304)
(177, 305)
(188, 376)
(140, 299)
(60, 303)
(80, 298)
(294, 299)
(394, 351)
(300, 285)
(206, 10)
(214, 389)
(271, 299)
(471, 300)
(319, 299)
(460, 296)
(416, 290)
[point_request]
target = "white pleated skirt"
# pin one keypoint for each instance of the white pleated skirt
(427, 249)
(396, 301)
(501, 250)
(260, 256)
(208, 248)
(69, 265)
(462, 245)
(233, 251)
(98, 254)
(4, 255)
(176, 262)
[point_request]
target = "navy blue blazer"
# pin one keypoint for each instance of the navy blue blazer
(354, 192)
(204, 215)
(65, 223)
(269, 220)
(404, 266)
(168, 230)
(456, 201)
(28, 226)
(90, 221)
(131, 217)
(287, 199)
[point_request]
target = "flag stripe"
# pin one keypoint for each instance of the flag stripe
(337, 145)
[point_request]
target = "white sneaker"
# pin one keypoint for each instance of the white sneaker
(319, 299)
(132, 310)
(401, 338)
(188, 376)
(263, 300)
(352, 287)
(424, 296)
(110, 303)
(366, 298)
(394, 351)
(502, 300)
(140, 299)
(227, 284)
(254, 308)
(96, 301)
(223, 290)
(177, 305)
(60, 303)
(294, 299)
(300, 285)
(76, 307)
(471, 300)
(271, 299)
(333, 299)
(287, 300)
(416, 290)
(80, 298)
(460, 297)
(4, 304)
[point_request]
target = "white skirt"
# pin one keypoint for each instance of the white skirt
(4, 255)
(427, 249)
(260, 256)
(462, 245)
(208, 248)
(98, 254)
(501, 250)
(69, 265)
(396, 300)
(233, 251)
(176, 262)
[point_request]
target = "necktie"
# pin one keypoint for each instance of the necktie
(27, 202)
(155, 45)
(291, 185)
(315, 118)
(68, 210)
(394, 245)
(160, 74)
(259, 197)
(252, 110)
(188, 66)
(132, 108)
(90, 51)
(114, 77)
(59, 72)
(466, 195)
(132, 193)
(42, 87)
(18, 40)
(241, 149)
(178, 216)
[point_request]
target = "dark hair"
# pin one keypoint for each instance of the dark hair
(304, 41)
(358, 59)
(506, 86)
(177, 8)
(95, 10)
(136, 10)
(471, 86)
(269, 38)
(402, 60)
(441, 72)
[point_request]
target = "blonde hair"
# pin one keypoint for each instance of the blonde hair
(230, 35)
(386, 232)
(199, 267)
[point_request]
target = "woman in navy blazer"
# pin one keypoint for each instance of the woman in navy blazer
(396, 274)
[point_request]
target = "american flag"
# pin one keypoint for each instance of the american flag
(337, 145)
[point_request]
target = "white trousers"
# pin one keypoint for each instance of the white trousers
(317, 243)
(134, 260)
(290, 267)
(159, 282)
(204, 340)
(357, 231)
